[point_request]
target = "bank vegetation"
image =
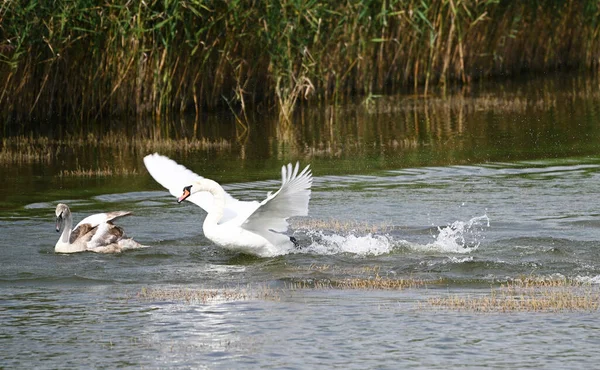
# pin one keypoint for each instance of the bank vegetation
(81, 60)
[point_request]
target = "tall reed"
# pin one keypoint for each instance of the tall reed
(79, 60)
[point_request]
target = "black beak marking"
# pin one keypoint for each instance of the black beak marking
(187, 191)
(58, 222)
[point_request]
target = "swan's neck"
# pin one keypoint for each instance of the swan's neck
(216, 211)
(67, 228)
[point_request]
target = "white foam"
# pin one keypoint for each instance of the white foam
(451, 260)
(225, 269)
(460, 260)
(369, 244)
(588, 279)
(459, 237)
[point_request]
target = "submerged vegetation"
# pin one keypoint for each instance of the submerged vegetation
(81, 60)
(374, 283)
(203, 296)
(526, 295)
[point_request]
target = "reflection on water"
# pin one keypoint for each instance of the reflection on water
(535, 119)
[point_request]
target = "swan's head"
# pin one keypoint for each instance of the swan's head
(62, 211)
(187, 191)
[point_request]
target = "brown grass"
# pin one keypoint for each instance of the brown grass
(204, 296)
(28, 150)
(358, 283)
(145, 144)
(24, 149)
(99, 172)
(526, 295)
(354, 278)
(530, 294)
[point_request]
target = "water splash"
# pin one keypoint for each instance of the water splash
(592, 280)
(458, 237)
(369, 244)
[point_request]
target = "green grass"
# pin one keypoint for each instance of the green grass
(81, 60)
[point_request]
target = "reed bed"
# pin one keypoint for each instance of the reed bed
(98, 172)
(526, 295)
(204, 296)
(143, 144)
(372, 282)
(81, 61)
(532, 294)
(27, 149)
(388, 126)
(357, 283)
(353, 278)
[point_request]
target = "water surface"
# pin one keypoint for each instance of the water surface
(462, 193)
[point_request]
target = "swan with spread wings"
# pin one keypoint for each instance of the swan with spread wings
(246, 226)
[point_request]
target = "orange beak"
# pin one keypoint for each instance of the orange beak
(185, 195)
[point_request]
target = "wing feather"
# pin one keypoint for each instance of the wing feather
(83, 232)
(270, 218)
(174, 177)
(99, 218)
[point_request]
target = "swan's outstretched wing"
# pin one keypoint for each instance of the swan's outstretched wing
(99, 218)
(290, 200)
(174, 177)
(83, 233)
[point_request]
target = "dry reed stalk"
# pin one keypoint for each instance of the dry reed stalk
(204, 296)
(526, 295)
(368, 283)
(99, 172)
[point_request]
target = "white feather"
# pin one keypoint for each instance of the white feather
(290, 200)
(100, 218)
(251, 227)
(174, 177)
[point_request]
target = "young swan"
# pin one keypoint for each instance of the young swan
(95, 233)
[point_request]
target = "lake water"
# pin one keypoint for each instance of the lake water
(459, 194)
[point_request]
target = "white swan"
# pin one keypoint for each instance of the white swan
(249, 227)
(95, 233)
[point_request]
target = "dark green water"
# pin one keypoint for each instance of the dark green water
(461, 192)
